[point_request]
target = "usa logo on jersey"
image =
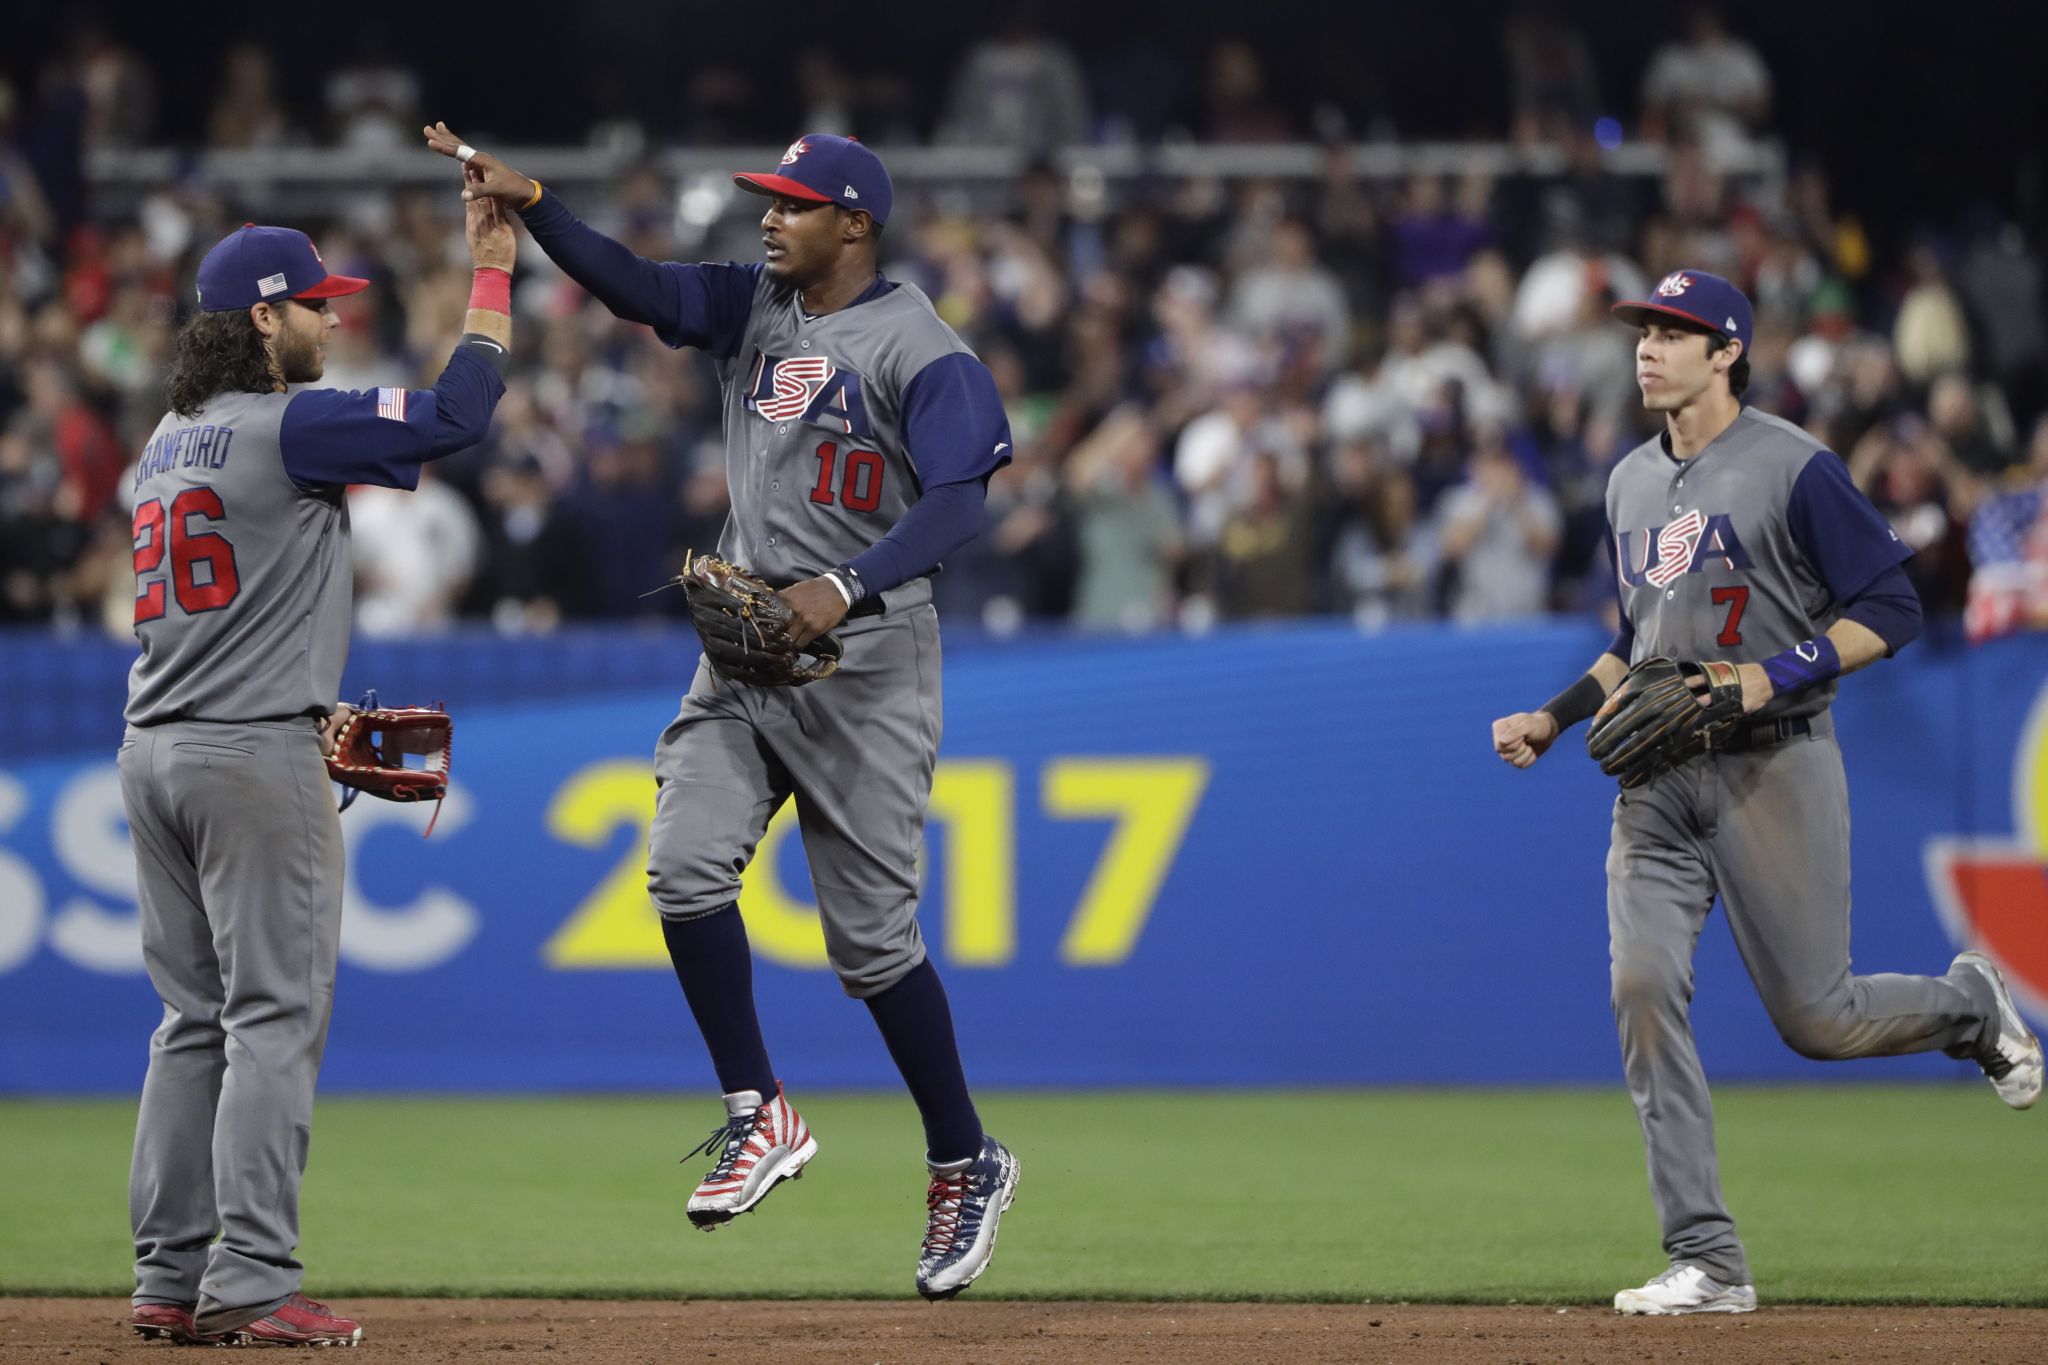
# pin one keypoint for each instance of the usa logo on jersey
(1680, 547)
(808, 389)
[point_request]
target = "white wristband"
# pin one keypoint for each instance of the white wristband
(464, 152)
(844, 591)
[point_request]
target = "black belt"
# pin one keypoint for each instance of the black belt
(1765, 734)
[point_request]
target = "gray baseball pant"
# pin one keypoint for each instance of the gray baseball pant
(1766, 830)
(238, 858)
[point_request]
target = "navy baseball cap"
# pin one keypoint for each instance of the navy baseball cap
(827, 169)
(1696, 297)
(253, 265)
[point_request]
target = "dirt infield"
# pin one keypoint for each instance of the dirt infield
(86, 1331)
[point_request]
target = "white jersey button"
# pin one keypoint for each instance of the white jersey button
(784, 431)
(805, 343)
(774, 484)
(771, 540)
(1669, 593)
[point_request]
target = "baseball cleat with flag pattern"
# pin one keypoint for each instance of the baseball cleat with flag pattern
(2013, 1064)
(964, 1203)
(1685, 1289)
(760, 1145)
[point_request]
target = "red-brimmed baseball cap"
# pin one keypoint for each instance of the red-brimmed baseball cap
(827, 169)
(253, 265)
(1706, 301)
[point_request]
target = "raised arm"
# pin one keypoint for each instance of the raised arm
(687, 305)
(335, 437)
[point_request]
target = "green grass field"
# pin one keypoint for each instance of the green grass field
(1920, 1194)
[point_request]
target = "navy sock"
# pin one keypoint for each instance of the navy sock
(716, 969)
(917, 1024)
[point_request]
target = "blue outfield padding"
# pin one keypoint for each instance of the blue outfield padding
(1276, 856)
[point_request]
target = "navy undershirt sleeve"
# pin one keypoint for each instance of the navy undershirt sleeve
(332, 437)
(1624, 642)
(702, 305)
(1838, 530)
(1888, 608)
(946, 517)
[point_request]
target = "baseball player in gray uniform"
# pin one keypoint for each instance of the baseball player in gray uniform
(243, 588)
(1737, 537)
(860, 436)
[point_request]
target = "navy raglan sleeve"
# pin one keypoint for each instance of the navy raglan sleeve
(703, 305)
(1838, 530)
(957, 434)
(954, 426)
(383, 436)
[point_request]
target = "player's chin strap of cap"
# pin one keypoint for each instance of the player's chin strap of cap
(349, 794)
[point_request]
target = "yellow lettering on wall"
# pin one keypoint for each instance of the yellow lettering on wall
(615, 926)
(1152, 800)
(977, 800)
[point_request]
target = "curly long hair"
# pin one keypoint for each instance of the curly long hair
(217, 353)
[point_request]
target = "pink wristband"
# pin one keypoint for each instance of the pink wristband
(491, 290)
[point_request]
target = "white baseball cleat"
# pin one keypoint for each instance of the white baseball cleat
(965, 1203)
(2013, 1063)
(759, 1146)
(1685, 1289)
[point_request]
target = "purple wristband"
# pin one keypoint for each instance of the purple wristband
(1805, 664)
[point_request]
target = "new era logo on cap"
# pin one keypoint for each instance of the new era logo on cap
(825, 168)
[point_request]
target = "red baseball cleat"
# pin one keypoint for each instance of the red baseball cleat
(170, 1322)
(298, 1321)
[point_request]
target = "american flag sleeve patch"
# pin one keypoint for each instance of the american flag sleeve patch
(391, 404)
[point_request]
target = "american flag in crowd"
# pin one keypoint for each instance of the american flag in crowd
(391, 404)
(2009, 566)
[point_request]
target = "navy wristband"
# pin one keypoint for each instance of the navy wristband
(1806, 664)
(1575, 703)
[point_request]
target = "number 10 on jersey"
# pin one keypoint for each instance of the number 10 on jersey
(860, 482)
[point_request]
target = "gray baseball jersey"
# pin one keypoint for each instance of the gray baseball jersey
(242, 574)
(1747, 549)
(242, 578)
(1744, 550)
(816, 450)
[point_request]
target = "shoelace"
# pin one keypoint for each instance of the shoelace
(733, 1133)
(1996, 1064)
(945, 1198)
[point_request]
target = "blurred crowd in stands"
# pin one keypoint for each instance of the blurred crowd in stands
(1231, 399)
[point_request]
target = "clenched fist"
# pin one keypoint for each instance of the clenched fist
(1522, 738)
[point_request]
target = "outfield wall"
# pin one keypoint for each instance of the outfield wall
(1278, 856)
